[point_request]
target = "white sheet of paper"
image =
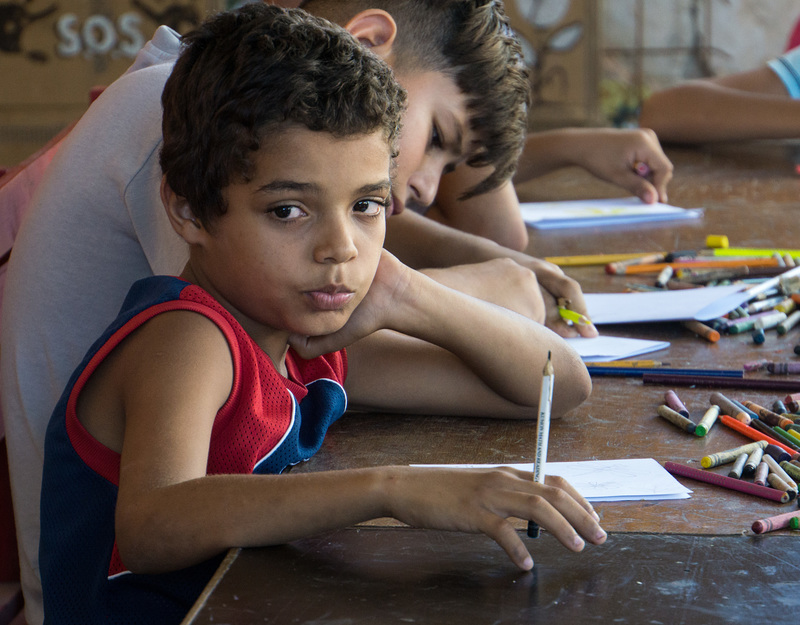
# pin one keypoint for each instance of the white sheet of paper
(607, 348)
(604, 212)
(701, 304)
(627, 479)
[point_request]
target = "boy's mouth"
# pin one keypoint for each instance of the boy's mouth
(331, 297)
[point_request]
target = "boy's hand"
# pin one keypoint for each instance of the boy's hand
(480, 500)
(613, 154)
(377, 310)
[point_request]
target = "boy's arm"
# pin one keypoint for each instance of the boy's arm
(494, 215)
(748, 105)
(610, 154)
(472, 358)
(171, 378)
(424, 244)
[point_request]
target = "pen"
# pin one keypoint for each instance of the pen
(542, 433)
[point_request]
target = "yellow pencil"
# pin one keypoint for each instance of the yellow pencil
(649, 364)
(596, 259)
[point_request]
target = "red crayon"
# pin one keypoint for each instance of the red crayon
(727, 482)
(777, 522)
(752, 433)
(673, 401)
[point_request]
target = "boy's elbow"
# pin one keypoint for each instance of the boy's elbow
(572, 389)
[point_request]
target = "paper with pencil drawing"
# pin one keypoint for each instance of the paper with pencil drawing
(606, 212)
(608, 348)
(628, 479)
(702, 304)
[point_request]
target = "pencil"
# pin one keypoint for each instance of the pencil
(649, 364)
(542, 433)
(598, 259)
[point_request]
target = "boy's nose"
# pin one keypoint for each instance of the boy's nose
(423, 187)
(335, 244)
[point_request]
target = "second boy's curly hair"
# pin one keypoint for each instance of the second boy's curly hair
(471, 41)
(244, 73)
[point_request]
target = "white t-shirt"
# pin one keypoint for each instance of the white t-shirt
(787, 67)
(95, 225)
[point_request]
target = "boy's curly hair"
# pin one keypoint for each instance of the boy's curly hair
(471, 41)
(245, 73)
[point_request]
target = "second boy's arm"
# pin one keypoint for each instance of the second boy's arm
(472, 357)
(424, 244)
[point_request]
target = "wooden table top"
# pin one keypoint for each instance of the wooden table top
(751, 193)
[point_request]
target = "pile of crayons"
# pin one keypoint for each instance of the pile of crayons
(772, 459)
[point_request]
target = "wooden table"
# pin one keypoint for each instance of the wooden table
(676, 561)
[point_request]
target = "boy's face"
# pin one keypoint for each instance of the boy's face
(435, 137)
(300, 243)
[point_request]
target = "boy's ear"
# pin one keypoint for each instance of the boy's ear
(375, 29)
(180, 214)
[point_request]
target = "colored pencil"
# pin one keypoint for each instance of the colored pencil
(727, 482)
(789, 386)
(644, 371)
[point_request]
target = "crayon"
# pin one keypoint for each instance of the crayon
(738, 466)
(784, 368)
(777, 452)
(759, 337)
(722, 382)
(777, 522)
(717, 242)
(726, 482)
(617, 268)
(762, 470)
(676, 418)
(788, 306)
(792, 469)
(728, 407)
(794, 524)
(756, 365)
(672, 400)
(762, 305)
(793, 434)
(664, 277)
(767, 416)
(702, 330)
(708, 420)
(777, 469)
(779, 407)
(781, 435)
(792, 402)
(729, 455)
(787, 324)
(755, 458)
(752, 433)
(741, 406)
(774, 480)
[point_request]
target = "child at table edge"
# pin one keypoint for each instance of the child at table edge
(279, 133)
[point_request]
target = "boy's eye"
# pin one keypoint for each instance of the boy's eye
(287, 212)
(370, 207)
(436, 137)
